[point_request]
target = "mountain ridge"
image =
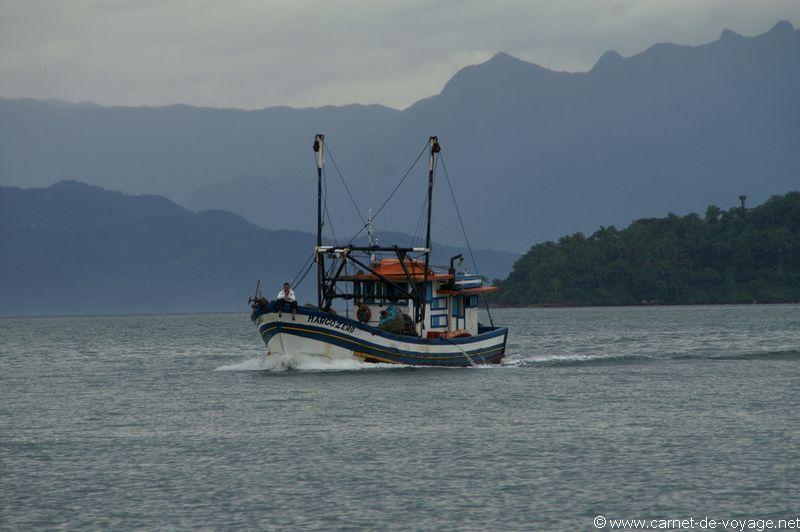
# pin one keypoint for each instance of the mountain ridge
(782, 27)
(673, 127)
(74, 248)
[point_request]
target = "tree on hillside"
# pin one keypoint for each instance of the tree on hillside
(738, 255)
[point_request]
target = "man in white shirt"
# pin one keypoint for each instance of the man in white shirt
(286, 296)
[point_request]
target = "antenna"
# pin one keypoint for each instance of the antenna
(372, 240)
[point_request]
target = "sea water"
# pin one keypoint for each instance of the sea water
(180, 422)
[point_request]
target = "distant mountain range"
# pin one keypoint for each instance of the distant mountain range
(75, 248)
(532, 153)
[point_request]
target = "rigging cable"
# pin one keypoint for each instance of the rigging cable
(463, 230)
(295, 283)
(424, 148)
(308, 269)
(341, 178)
(330, 222)
(310, 258)
(346, 301)
(325, 205)
(420, 225)
(469, 358)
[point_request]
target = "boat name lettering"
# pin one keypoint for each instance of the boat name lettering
(331, 323)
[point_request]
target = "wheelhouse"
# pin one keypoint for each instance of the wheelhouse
(451, 298)
(438, 303)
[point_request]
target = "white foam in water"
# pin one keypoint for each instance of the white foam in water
(544, 359)
(302, 363)
(259, 363)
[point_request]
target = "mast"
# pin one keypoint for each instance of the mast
(435, 148)
(319, 146)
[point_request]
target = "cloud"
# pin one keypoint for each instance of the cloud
(252, 54)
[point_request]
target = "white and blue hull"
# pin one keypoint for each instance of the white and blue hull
(318, 335)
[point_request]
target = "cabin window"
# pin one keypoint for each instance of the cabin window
(393, 293)
(439, 303)
(472, 301)
(429, 291)
(458, 307)
(438, 320)
(390, 292)
(369, 293)
(404, 286)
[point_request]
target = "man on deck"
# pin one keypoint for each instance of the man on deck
(286, 296)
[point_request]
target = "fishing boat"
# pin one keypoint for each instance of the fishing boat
(407, 311)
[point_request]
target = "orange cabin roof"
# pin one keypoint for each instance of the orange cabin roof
(393, 270)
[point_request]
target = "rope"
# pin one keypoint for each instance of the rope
(418, 229)
(330, 222)
(424, 148)
(463, 230)
(331, 268)
(346, 301)
(352, 199)
(304, 275)
(301, 269)
(325, 204)
(435, 165)
(471, 362)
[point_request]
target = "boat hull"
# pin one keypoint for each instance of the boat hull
(316, 334)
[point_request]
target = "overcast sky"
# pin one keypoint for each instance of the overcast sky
(259, 53)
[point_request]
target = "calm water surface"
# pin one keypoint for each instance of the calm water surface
(177, 421)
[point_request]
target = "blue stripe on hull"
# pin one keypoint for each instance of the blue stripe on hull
(491, 332)
(378, 353)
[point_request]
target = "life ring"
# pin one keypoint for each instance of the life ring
(363, 314)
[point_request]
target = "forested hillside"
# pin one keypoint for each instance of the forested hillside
(739, 255)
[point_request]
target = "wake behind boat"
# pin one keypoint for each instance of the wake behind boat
(408, 311)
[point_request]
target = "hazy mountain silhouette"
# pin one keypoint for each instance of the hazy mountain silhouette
(76, 248)
(532, 153)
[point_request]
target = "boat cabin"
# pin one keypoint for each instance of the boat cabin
(403, 295)
(450, 303)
